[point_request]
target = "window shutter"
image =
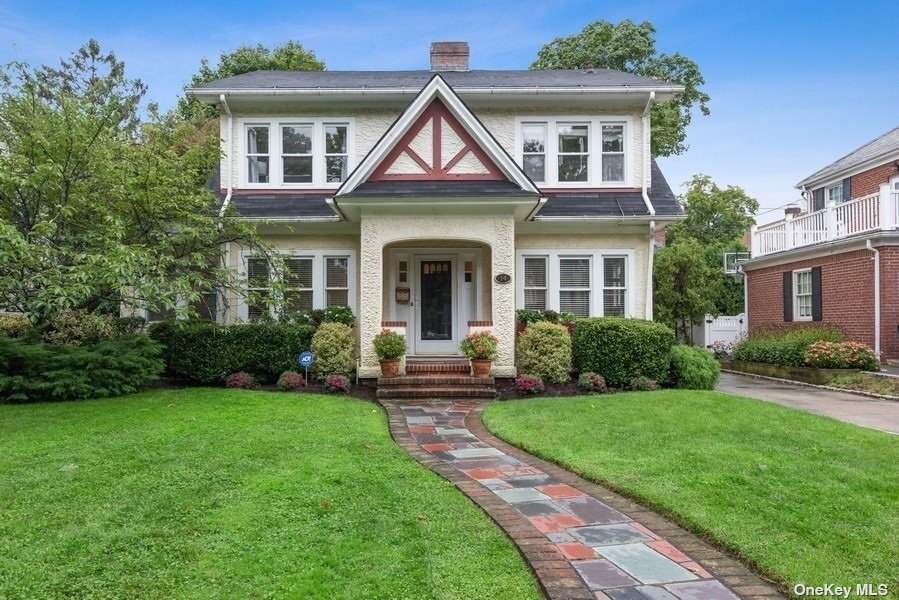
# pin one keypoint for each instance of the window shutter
(818, 199)
(817, 306)
(788, 296)
(847, 189)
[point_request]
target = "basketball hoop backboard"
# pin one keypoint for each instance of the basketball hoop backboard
(734, 260)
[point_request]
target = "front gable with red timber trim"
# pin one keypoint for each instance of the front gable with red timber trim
(437, 148)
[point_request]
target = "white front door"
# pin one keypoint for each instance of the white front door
(435, 305)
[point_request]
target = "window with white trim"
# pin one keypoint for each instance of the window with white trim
(337, 284)
(835, 193)
(574, 285)
(575, 151)
(614, 286)
(259, 288)
(298, 284)
(802, 294)
(305, 152)
(535, 277)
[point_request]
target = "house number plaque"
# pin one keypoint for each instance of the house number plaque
(503, 278)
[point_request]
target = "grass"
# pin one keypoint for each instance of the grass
(212, 493)
(866, 382)
(805, 498)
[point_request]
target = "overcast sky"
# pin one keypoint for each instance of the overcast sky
(794, 85)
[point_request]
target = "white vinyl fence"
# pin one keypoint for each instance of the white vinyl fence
(719, 329)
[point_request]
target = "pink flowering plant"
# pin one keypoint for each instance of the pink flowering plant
(841, 355)
(291, 381)
(337, 384)
(480, 345)
(592, 383)
(528, 384)
(241, 380)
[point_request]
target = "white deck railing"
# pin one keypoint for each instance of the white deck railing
(874, 212)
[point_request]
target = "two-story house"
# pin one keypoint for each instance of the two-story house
(439, 201)
(835, 260)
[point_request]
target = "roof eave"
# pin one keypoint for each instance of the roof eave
(843, 171)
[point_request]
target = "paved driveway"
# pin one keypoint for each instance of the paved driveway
(852, 408)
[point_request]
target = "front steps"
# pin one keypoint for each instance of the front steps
(436, 379)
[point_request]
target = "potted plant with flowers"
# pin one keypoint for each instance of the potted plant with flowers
(480, 348)
(389, 348)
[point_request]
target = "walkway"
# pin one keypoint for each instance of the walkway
(851, 408)
(581, 540)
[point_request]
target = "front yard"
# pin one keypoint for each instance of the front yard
(807, 499)
(208, 493)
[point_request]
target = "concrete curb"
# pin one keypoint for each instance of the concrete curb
(811, 385)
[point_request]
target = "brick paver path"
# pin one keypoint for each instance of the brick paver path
(580, 539)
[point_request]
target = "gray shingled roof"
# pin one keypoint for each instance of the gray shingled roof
(285, 80)
(281, 206)
(882, 145)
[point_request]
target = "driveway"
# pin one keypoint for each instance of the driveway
(852, 408)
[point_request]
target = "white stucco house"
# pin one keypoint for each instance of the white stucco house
(438, 201)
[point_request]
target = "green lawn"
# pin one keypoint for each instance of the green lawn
(211, 493)
(806, 498)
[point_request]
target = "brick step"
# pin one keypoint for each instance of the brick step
(432, 379)
(436, 392)
(435, 367)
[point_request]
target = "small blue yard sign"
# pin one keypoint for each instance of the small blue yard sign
(306, 359)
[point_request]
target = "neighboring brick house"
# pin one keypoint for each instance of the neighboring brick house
(439, 201)
(837, 260)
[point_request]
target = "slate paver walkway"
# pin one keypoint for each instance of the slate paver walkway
(581, 540)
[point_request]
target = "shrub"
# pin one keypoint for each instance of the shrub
(79, 327)
(31, 372)
(334, 346)
(784, 347)
(14, 325)
(332, 314)
(528, 384)
(528, 315)
(621, 349)
(207, 353)
(389, 345)
(291, 381)
(544, 350)
(337, 383)
(480, 345)
(128, 325)
(592, 383)
(643, 384)
(241, 380)
(841, 355)
(694, 368)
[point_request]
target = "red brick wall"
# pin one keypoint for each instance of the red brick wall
(870, 181)
(847, 287)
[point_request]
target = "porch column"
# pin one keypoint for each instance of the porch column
(503, 254)
(370, 295)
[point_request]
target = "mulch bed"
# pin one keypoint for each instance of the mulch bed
(505, 389)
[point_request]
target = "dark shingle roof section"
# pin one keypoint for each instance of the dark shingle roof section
(574, 78)
(614, 204)
(438, 189)
(281, 206)
(884, 144)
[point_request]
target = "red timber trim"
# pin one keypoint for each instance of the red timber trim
(393, 323)
(437, 113)
(480, 323)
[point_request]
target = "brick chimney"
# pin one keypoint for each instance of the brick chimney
(449, 56)
(792, 211)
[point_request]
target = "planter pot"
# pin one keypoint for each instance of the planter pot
(481, 367)
(390, 367)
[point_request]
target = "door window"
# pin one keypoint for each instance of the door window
(436, 300)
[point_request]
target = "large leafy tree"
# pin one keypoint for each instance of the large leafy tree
(290, 56)
(631, 47)
(685, 286)
(98, 206)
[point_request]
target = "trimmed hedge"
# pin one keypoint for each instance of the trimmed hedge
(694, 368)
(208, 353)
(544, 351)
(622, 349)
(786, 348)
(31, 372)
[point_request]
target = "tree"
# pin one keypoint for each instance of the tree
(631, 47)
(714, 215)
(98, 207)
(290, 56)
(685, 286)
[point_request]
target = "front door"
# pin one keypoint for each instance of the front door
(435, 314)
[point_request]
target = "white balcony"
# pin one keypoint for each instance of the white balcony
(874, 212)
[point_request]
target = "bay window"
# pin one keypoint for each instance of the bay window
(305, 152)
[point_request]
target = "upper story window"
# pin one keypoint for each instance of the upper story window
(835, 193)
(312, 152)
(575, 151)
